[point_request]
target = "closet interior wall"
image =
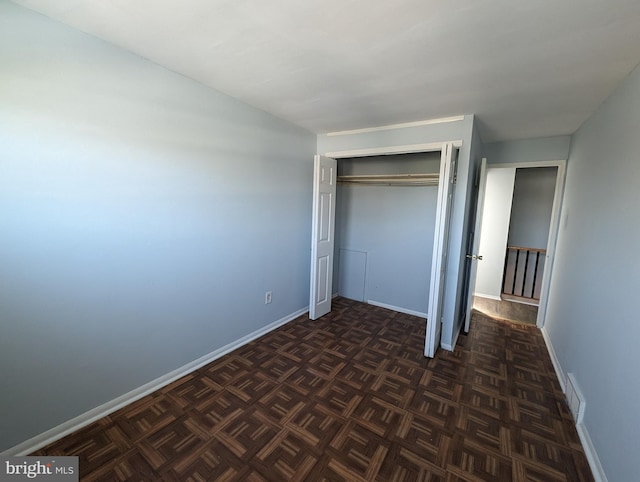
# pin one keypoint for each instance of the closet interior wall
(384, 233)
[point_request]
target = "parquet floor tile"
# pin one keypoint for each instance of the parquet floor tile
(349, 397)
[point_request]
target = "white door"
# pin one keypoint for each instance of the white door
(325, 172)
(474, 256)
(440, 243)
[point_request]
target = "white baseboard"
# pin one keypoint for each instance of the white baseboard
(452, 346)
(554, 360)
(587, 444)
(397, 308)
(590, 452)
(520, 301)
(490, 297)
(76, 423)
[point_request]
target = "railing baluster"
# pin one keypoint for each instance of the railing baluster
(535, 275)
(515, 273)
(525, 276)
(504, 272)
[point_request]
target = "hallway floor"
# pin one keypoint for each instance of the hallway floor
(506, 310)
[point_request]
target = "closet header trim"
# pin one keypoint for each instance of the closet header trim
(385, 151)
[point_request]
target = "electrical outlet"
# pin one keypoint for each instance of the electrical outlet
(267, 297)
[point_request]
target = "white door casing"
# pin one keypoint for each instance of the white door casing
(440, 244)
(551, 242)
(475, 256)
(325, 174)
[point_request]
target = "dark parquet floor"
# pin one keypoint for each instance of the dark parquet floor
(348, 397)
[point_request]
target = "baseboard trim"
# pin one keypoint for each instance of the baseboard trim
(452, 345)
(76, 423)
(397, 308)
(583, 433)
(519, 299)
(590, 452)
(554, 360)
(489, 297)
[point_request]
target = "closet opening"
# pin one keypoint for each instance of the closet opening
(380, 229)
(384, 227)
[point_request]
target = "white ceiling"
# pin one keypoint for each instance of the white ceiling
(526, 68)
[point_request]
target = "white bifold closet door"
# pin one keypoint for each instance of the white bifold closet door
(474, 256)
(440, 244)
(325, 175)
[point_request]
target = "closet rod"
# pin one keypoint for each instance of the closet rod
(392, 179)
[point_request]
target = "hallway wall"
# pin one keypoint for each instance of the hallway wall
(533, 194)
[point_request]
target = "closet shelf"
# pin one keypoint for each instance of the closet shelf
(392, 179)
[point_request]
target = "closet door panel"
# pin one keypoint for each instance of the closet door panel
(322, 235)
(440, 245)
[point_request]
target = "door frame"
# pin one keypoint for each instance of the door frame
(554, 223)
(391, 150)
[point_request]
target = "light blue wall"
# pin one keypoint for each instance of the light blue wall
(528, 150)
(393, 225)
(143, 216)
(533, 193)
(467, 163)
(592, 316)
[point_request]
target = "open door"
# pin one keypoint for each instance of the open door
(473, 256)
(440, 244)
(322, 235)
